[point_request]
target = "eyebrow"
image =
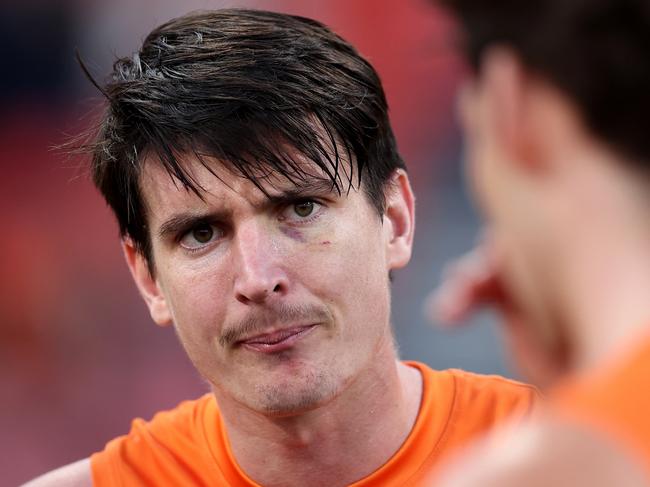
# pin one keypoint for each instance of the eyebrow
(182, 222)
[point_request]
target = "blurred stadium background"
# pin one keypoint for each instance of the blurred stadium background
(79, 356)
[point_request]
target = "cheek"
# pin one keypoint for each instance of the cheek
(480, 176)
(198, 321)
(523, 281)
(294, 234)
(354, 270)
(197, 301)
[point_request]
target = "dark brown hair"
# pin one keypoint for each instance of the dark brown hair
(595, 51)
(249, 88)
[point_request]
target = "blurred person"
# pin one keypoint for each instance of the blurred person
(262, 203)
(555, 117)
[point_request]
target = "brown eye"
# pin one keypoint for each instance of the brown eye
(304, 209)
(200, 236)
(203, 234)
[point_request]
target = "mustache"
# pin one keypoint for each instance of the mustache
(259, 322)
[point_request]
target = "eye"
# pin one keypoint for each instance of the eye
(301, 211)
(304, 208)
(199, 236)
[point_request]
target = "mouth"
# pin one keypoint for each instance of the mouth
(277, 341)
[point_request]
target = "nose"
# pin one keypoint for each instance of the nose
(259, 275)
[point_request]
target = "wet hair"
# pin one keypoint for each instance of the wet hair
(595, 51)
(254, 90)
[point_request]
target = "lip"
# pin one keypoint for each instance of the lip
(277, 341)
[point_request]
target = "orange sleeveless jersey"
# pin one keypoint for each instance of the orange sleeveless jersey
(615, 399)
(187, 446)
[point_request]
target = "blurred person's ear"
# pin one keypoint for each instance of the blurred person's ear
(399, 220)
(147, 284)
(513, 102)
(507, 88)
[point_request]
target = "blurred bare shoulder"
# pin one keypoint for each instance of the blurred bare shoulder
(77, 474)
(542, 454)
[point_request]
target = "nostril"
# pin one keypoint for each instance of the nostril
(276, 288)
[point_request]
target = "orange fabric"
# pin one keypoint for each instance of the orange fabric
(187, 446)
(614, 399)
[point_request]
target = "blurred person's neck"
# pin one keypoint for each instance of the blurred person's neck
(602, 254)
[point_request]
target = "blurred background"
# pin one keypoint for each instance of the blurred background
(79, 355)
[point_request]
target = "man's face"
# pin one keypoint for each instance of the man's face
(498, 189)
(280, 302)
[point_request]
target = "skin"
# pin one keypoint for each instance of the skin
(76, 474)
(235, 270)
(535, 455)
(567, 217)
(267, 269)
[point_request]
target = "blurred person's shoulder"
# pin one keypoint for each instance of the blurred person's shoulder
(616, 390)
(612, 399)
(541, 453)
(594, 431)
(77, 474)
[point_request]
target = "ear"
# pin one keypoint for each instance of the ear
(507, 111)
(147, 285)
(399, 220)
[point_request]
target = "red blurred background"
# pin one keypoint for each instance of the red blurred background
(79, 356)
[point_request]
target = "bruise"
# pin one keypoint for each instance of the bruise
(294, 234)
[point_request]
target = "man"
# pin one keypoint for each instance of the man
(559, 156)
(262, 203)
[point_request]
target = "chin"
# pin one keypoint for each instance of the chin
(297, 395)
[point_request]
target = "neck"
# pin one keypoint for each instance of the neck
(604, 263)
(372, 417)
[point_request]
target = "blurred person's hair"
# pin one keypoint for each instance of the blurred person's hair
(255, 90)
(597, 52)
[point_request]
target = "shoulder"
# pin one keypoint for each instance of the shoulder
(77, 474)
(184, 424)
(172, 440)
(495, 390)
(483, 402)
(457, 406)
(492, 397)
(172, 445)
(167, 427)
(614, 394)
(541, 454)
(185, 416)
